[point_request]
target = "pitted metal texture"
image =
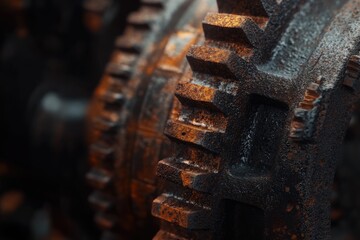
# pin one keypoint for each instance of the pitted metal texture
(254, 113)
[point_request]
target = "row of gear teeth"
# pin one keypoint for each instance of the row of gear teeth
(107, 120)
(231, 38)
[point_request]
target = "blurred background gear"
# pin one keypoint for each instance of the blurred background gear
(51, 61)
(129, 111)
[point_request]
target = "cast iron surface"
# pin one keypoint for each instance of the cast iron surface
(262, 118)
(129, 110)
(260, 110)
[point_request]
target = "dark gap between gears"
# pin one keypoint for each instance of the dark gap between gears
(243, 221)
(345, 197)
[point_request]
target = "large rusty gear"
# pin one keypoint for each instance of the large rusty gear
(257, 132)
(254, 126)
(129, 110)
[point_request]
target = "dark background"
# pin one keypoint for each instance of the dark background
(52, 55)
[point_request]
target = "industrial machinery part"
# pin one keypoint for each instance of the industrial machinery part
(256, 125)
(130, 108)
(261, 122)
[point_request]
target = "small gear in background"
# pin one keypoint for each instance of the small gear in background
(128, 112)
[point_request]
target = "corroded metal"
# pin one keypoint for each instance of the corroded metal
(129, 111)
(262, 99)
(303, 124)
(235, 172)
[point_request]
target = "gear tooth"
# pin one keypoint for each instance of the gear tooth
(188, 175)
(303, 122)
(297, 131)
(352, 73)
(99, 178)
(121, 64)
(164, 235)
(245, 7)
(132, 41)
(100, 153)
(185, 214)
(118, 70)
(211, 60)
(105, 221)
(100, 201)
(240, 30)
(104, 124)
(144, 18)
(196, 95)
(112, 98)
(299, 124)
(206, 138)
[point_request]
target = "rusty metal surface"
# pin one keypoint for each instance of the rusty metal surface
(129, 111)
(261, 105)
(235, 172)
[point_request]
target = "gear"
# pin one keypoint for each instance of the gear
(129, 110)
(260, 117)
(254, 125)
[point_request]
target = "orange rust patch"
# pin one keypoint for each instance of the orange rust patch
(176, 49)
(10, 201)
